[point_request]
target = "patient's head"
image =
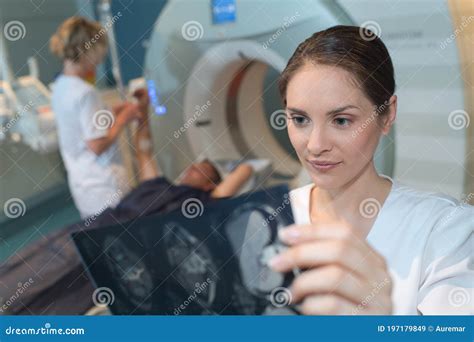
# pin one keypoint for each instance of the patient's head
(202, 175)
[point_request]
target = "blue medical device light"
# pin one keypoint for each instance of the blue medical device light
(154, 98)
(223, 11)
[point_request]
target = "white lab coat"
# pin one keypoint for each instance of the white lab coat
(427, 241)
(96, 182)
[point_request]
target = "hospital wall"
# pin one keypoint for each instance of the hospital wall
(433, 71)
(460, 11)
(25, 173)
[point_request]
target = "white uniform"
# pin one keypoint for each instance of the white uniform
(96, 182)
(427, 241)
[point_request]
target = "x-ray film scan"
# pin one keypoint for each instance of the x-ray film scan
(201, 260)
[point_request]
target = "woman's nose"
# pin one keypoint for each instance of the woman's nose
(318, 142)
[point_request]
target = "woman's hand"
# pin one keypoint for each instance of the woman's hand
(127, 112)
(342, 274)
(124, 113)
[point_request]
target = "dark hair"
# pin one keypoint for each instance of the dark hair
(217, 176)
(355, 49)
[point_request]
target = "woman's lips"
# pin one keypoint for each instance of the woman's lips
(323, 165)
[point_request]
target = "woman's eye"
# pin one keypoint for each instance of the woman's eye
(299, 120)
(342, 122)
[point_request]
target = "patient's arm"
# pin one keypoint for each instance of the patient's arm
(232, 183)
(147, 166)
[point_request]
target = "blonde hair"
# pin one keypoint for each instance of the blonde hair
(76, 37)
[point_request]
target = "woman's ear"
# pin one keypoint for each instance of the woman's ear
(390, 116)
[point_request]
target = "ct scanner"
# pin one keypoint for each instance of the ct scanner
(214, 66)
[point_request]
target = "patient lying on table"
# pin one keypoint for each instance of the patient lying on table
(156, 194)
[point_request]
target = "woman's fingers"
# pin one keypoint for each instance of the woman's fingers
(340, 268)
(326, 252)
(298, 234)
(365, 297)
(332, 280)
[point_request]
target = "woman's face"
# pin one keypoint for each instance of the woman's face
(333, 127)
(93, 57)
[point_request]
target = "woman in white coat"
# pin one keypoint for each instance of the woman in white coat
(88, 129)
(366, 244)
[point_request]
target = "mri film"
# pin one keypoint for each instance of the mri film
(215, 263)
